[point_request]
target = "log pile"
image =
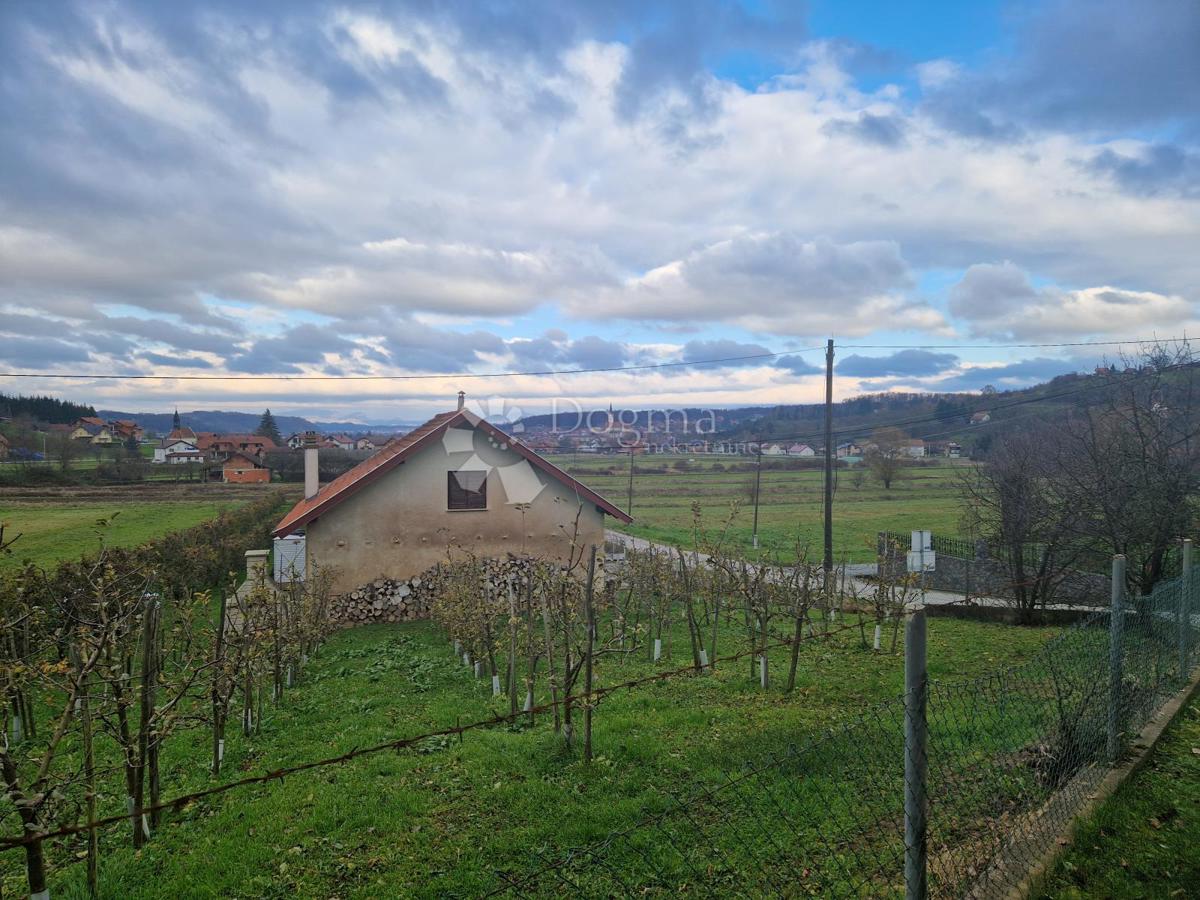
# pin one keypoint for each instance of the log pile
(386, 600)
(391, 600)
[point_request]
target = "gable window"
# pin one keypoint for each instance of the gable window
(466, 490)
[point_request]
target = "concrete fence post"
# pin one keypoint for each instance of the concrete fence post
(916, 687)
(1116, 626)
(1185, 611)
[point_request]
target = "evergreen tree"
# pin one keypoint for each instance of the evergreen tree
(43, 409)
(131, 446)
(268, 429)
(175, 421)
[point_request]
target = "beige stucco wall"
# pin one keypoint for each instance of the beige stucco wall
(398, 526)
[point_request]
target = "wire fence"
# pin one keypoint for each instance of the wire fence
(1010, 759)
(1086, 560)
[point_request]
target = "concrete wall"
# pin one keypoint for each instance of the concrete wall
(398, 526)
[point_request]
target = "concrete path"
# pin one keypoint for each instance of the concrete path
(856, 571)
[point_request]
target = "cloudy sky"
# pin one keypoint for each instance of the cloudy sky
(293, 188)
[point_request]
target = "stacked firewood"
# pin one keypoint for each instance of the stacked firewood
(392, 600)
(386, 600)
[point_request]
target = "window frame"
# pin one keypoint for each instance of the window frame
(453, 484)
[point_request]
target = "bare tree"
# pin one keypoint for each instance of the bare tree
(1015, 501)
(1129, 460)
(885, 455)
(63, 448)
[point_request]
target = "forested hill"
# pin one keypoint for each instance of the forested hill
(930, 416)
(246, 423)
(42, 409)
(943, 417)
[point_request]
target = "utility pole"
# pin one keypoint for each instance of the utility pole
(757, 482)
(629, 505)
(828, 561)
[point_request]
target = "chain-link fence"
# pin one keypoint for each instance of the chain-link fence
(1009, 759)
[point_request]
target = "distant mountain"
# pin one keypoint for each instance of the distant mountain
(930, 416)
(245, 423)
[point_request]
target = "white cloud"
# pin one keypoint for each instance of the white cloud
(998, 301)
(937, 73)
(398, 165)
(776, 281)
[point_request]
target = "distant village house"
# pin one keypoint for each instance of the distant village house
(241, 468)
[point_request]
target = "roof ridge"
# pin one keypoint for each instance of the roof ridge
(399, 447)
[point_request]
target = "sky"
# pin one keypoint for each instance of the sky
(296, 189)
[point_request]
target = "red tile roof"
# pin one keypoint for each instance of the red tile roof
(241, 460)
(398, 449)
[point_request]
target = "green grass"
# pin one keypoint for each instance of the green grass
(440, 819)
(54, 530)
(926, 496)
(1143, 842)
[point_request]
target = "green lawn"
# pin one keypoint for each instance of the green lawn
(56, 530)
(441, 819)
(926, 496)
(1145, 840)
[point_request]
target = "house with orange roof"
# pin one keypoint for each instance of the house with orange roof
(243, 468)
(220, 447)
(456, 481)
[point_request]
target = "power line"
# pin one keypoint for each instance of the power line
(996, 407)
(1143, 341)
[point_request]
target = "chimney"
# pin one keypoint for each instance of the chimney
(312, 475)
(462, 399)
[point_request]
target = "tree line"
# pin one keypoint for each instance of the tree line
(1115, 472)
(50, 410)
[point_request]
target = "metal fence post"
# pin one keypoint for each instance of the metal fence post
(1116, 624)
(1185, 611)
(916, 686)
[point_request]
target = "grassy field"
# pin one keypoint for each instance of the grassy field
(1143, 841)
(440, 819)
(790, 508)
(64, 523)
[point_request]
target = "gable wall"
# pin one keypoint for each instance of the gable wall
(398, 526)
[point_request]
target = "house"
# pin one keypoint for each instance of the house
(981, 418)
(848, 449)
(954, 450)
(219, 447)
(295, 441)
(342, 442)
(914, 449)
(364, 443)
(177, 450)
(179, 457)
(124, 429)
(244, 468)
(772, 450)
(92, 430)
(801, 450)
(457, 480)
